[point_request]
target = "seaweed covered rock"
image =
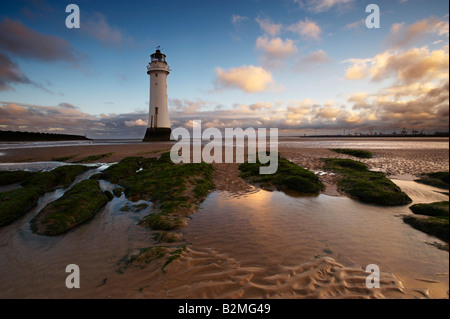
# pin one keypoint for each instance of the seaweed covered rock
(361, 183)
(437, 222)
(162, 255)
(76, 206)
(436, 179)
(174, 188)
(17, 202)
(289, 176)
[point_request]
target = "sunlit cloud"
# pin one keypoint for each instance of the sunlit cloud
(250, 79)
(276, 51)
(268, 26)
(138, 122)
(416, 64)
(276, 47)
(307, 29)
(401, 36)
(312, 61)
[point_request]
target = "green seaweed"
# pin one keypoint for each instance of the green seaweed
(361, 183)
(127, 167)
(353, 152)
(289, 176)
(436, 209)
(12, 177)
(175, 189)
(16, 203)
(433, 226)
(162, 222)
(437, 222)
(134, 208)
(167, 237)
(75, 207)
(436, 179)
(145, 256)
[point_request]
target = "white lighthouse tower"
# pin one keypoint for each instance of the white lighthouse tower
(158, 120)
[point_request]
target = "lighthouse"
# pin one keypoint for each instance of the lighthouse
(158, 128)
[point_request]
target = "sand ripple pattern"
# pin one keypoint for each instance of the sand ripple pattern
(206, 273)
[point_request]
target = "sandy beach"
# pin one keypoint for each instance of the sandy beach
(243, 242)
(399, 163)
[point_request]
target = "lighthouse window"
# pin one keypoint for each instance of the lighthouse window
(156, 74)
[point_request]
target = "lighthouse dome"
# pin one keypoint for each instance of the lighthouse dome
(158, 56)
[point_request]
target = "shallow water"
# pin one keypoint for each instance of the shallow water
(271, 230)
(262, 244)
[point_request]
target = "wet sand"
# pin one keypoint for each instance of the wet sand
(243, 242)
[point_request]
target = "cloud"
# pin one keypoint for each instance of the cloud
(99, 28)
(416, 64)
(276, 47)
(400, 105)
(10, 73)
(359, 100)
(260, 106)
(275, 51)
(318, 6)
(407, 105)
(308, 29)
(18, 39)
(37, 9)
(236, 20)
(268, 27)
(402, 36)
(186, 106)
(67, 105)
(357, 70)
(37, 118)
(355, 25)
(138, 122)
(250, 79)
(312, 61)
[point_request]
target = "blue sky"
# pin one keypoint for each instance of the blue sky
(297, 65)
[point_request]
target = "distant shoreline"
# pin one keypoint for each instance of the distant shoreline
(446, 134)
(11, 136)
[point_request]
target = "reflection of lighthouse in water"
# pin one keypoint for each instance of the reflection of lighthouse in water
(158, 120)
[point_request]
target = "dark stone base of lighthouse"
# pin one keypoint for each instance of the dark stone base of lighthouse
(157, 134)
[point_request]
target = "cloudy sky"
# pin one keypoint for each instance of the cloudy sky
(303, 66)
